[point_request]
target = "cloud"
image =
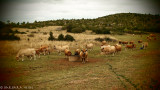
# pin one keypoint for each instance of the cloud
(31, 10)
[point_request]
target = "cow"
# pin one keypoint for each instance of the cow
(109, 50)
(118, 47)
(152, 35)
(84, 55)
(144, 45)
(77, 52)
(120, 42)
(60, 49)
(89, 46)
(124, 42)
(28, 52)
(131, 42)
(44, 49)
(67, 53)
(104, 42)
(131, 46)
(139, 41)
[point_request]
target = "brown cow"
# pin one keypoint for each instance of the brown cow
(84, 55)
(118, 47)
(124, 42)
(139, 41)
(131, 42)
(120, 42)
(77, 52)
(67, 52)
(131, 46)
(152, 35)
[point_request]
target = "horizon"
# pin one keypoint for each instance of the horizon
(45, 10)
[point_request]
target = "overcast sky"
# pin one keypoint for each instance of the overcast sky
(41, 10)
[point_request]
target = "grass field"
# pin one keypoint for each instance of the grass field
(128, 69)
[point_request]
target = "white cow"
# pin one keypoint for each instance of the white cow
(60, 48)
(29, 52)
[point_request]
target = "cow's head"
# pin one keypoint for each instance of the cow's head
(84, 51)
(17, 58)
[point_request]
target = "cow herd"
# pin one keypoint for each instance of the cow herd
(105, 48)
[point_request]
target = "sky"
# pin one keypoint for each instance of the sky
(42, 10)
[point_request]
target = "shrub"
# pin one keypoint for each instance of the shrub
(9, 37)
(77, 30)
(61, 37)
(105, 39)
(69, 38)
(30, 35)
(44, 33)
(101, 31)
(69, 27)
(51, 37)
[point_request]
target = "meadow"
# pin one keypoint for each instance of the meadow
(128, 69)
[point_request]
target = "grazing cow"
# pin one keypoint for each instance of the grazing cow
(118, 47)
(109, 50)
(120, 42)
(84, 55)
(38, 52)
(67, 52)
(152, 35)
(29, 52)
(124, 42)
(144, 45)
(44, 49)
(61, 48)
(89, 46)
(103, 46)
(77, 52)
(131, 46)
(155, 38)
(131, 42)
(104, 42)
(139, 41)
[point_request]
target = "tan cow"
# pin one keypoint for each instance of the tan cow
(29, 52)
(144, 45)
(84, 55)
(60, 49)
(89, 46)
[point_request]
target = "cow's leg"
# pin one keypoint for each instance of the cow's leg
(87, 59)
(34, 57)
(22, 57)
(30, 57)
(44, 52)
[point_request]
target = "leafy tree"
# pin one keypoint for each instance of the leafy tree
(77, 30)
(69, 38)
(51, 37)
(61, 37)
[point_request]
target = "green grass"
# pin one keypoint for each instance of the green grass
(129, 69)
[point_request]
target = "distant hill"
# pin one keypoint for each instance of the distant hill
(121, 22)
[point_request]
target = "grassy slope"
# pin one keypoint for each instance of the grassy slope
(137, 69)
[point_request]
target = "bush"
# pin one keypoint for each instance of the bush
(30, 35)
(77, 30)
(61, 37)
(9, 37)
(101, 31)
(69, 38)
(105, 39)
(69, 27)
(51, 37)
(44, 33)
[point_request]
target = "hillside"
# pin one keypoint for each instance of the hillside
(122, 22)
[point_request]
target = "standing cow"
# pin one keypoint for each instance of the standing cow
(84, 55)
(29, 52)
